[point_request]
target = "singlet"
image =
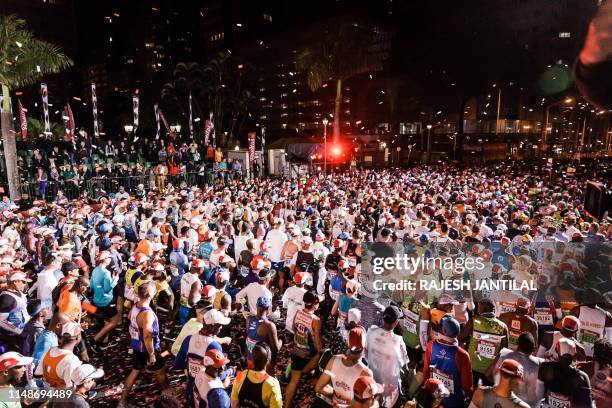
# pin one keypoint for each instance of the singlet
(187, 281)
(304, 258)
(218, 298)
(516, 324)
(485, 342)
(351, 252)
(443, 367)
(197, 347)
(18, 316)
(50, 375)
(252, 337)
(136, 333)
(567, 299)
(251, 394)
(303, 344)
(411, 325)
(335, 287)
(592, 327)
(343, 379)
(543, 312)
(344, 304)
(203, 386)
(490, 399)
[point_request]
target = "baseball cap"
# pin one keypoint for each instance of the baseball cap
(522, 303)
(209, 291)
(451, 326)
(12, 359)
(319, 236)
(366, 388)
(570, 323)
(337, 243)
(71, 329)
(140, 258)
(512, 367)
(436, 388)
(264, 302)
(214, 316)
(85, 372)
(18, 276)
(566, 346)
(302, 278)
(223, 276)
(393, 312)
(104, 255)
(307, 240)
(446, 299)
(354, 315)
(215, 358)
(198, 263)
(356, 339)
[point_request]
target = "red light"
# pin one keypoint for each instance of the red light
(240, 66)
(336, 151)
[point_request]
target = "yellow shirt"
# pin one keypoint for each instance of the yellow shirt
(190, 328)
(271, 392)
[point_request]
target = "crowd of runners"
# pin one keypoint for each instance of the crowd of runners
(252, 293)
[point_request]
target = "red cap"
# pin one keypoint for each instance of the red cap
(12, 359)
(512, 367)
(570, 323)
(356, 339)
(301, 278)
(365, 388)
(215, 358)
(522, 303)
(209, 291)
(436, 388)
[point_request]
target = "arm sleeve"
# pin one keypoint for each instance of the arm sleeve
(462, 359)
(180, 361)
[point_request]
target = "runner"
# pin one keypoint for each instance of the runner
(565, 385)
(13, 309)
(519, 322)
(209, 390)
(502, 395)
(261, 330)
(569, 329)
(599, 372)
(342, 371)
(306, 343)
(191, 288)
(255, 387)
(144, 332)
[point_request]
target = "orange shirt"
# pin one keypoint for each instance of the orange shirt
(70, 304)
(144, 246)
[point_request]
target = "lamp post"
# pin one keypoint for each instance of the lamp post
(325, 122)
(566, 101)
(429, 143)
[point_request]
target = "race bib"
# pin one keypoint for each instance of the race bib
(516, 324)
(543, 318)
(134, 333)
(588, 336)
(194, 366)
(486, 349)
(558, 401)
(505, 307)
(410, 321)
(445, 378)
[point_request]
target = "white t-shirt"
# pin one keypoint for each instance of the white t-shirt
(64, 368)
(276, 238)
(252, 292)
(293, 300)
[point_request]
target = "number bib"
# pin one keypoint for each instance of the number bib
(194, 366)
(410, 321)
(505, 307)
(543, 317)
(445, 378)
(558, 400)
(486, 348)
(134, 333)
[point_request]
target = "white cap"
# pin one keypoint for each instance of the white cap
(354, 315)
(71, 328)
(85, 372)
(214, 316)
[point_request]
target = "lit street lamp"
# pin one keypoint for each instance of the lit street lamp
(566, 101)
(128, 129)
(429, 143)
(325, 122)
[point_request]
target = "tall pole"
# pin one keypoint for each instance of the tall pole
(498, 110)
(325, 148)
(544, 130)
(429, 143)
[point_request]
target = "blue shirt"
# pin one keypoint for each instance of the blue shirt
(102, 284)
(44, 342)
(216, 398)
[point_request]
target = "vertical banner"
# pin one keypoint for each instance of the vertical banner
(190, 117)
(22, 120)
(157, 120)
(263, 146)
(94, 103)
(208, 128)
(135, 105)
(45, 102)
(71, 124)
(165, 122)
(252, 136)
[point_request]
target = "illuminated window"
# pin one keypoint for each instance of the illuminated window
(565, 34)
(267, 17)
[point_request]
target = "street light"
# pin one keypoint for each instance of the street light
(429, 143)
(176, 128)
(566, 101)
(128, 129)
(325, 122)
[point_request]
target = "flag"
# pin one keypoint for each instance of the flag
(252, 136)
(71, 123)
(263, 145)
(135, 104)
(45, 101)
(208, 129)
(190, 117)
(94, 103)
(165, 122)
(156, 108)
(22, 120)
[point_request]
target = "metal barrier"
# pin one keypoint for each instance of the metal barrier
(99, 186)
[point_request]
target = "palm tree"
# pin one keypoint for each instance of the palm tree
(344, 53)
(24, 59)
